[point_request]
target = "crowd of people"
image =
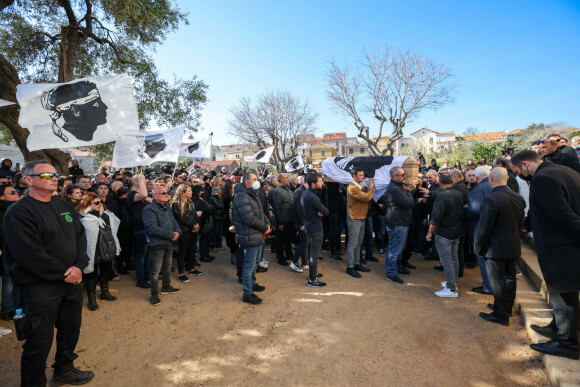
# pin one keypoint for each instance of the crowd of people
(64, 233)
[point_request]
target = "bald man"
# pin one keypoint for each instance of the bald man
(497, 240)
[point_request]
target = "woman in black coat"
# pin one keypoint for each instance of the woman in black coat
(226, 199)
(205, 222)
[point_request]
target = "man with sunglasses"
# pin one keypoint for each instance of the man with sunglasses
(562, 144)
(45, 253)
(162, 230)
(550, 152)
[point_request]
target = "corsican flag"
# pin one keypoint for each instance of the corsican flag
(87, 111)
(339, 169)
(135, 148)
(294, 164)
(197, 148)
(262, 156)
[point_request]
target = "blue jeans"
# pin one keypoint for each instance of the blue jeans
(484, 276)
(252, 255)
(142, 258)
(397, 240)
(218, 226)
(10, 295)
(368, 238)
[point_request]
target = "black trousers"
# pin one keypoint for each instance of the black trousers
(50, 304)
(502, 278)
(301, 248)
(186, 258)
(284, 243)
(239, 261)
(566, 316)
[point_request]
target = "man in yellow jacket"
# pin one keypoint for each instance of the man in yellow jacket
(357, 208)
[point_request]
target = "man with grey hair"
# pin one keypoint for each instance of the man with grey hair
(44, 252)
(497, 239)
(472, 211)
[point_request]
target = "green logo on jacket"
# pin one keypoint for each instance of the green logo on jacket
(67, 217)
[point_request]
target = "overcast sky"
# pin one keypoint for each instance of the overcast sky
(517, 62)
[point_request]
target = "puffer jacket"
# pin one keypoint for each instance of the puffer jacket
(249, 219)
(283, 205)
(160, 224)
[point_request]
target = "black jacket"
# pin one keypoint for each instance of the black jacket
(248, 216)
(186, 220)
(298, 218)
(462, 188)
(42, 240)
(399, 205)
(311, 205)
(498, 231)
(447, 214)
(160, 224)
(555, 216)
(564, 159)
(283, 204)
(217, 208)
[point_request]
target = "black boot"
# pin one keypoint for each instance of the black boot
(105, 295)
(91, 288)
(121, 266)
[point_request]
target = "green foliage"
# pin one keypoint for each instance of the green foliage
(461, 151)
(102, 152)
(5, 135)
(120, 36)
(186, 162)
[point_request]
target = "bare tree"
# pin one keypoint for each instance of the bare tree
(276, 119)
(394, 86)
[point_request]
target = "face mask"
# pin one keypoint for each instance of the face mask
(526, 178)
(256, 185)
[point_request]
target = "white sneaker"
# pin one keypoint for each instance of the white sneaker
(444, 284)
(446, 293)
(5, 331)
(305, 267)
(294, 267)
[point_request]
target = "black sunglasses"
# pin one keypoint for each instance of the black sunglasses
(97, 202)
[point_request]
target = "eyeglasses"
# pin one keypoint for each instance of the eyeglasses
(46, 175)
(161, 193)
(97, 202)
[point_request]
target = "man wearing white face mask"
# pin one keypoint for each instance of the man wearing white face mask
(250, 224)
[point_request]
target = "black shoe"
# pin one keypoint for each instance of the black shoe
(352, 272)
(481, 290)
(404, 272)
(283, 262)
(490, 306)
(430, 258)
(315, 284)
(318, 275)
(438, 268)
(252, 299)
(494, 319)
(195, 272)
(320, 259)
(460, 274)
(172, 269)
(471, 265)
(206, 259)
(143, 284)
(361, 268)
(546, 331)
(395, 279)
(73, 376)
(556, 349)
(336, 257)
(195, 263)
(261, 269)
(211, 257)
(170, 290)
(258, 288)
(372, 259)
(409, 266)
(155, 300)
(240, 280)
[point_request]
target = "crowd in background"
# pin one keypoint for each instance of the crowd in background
(446, 215)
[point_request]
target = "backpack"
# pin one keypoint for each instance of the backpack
(106, 247)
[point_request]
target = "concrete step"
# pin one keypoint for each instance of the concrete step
(532, 303)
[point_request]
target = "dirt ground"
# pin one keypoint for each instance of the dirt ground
(365, 331)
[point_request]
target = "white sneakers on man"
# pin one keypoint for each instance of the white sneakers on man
(295, 267)
(446, 292)
(5, 331)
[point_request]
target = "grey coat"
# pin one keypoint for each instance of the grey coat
(160, 224)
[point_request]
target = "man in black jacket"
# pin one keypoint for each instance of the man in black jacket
(250, 225)
(555, 216)
(74, 169)
(497, 239)
(550, 152)
(45, 253)
(447, 219)
(312, 212)
(283, 207)
(302, 247)
(398, 219)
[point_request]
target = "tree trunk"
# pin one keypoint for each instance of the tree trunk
(69, 43)
(9, 116)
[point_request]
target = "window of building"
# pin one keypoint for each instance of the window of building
(323, 153)
(431, 140)
(303, 151)
(350, 151)
(362, 150)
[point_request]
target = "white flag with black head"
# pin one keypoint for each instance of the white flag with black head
(87, 111)
(136, 148)
(294, 163)
(262, 156)
(339, 169)
(199, 149)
